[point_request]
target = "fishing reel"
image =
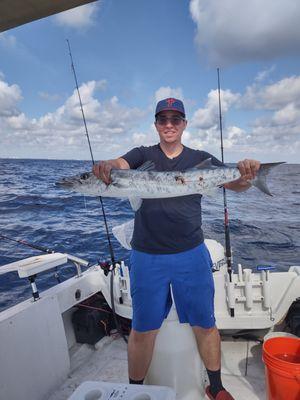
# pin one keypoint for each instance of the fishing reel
(107, 266)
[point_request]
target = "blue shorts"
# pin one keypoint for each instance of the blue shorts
(189, 273)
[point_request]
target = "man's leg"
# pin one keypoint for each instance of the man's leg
(209, 346)
(151, 302)
(140, 350)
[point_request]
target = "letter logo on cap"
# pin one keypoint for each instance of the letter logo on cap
(170, 102)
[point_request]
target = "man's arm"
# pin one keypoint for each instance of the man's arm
(103, 168)
(248, 170)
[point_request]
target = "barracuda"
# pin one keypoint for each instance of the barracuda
(146, 183)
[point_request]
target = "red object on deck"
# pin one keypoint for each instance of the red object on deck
(281, 356)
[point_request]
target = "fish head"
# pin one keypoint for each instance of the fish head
(78, 183)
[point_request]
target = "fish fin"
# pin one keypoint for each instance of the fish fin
(147, 166)
(135, 202)
(123, 233)
(205, 164)
(260, 181)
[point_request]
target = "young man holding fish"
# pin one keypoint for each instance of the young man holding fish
(168, 249)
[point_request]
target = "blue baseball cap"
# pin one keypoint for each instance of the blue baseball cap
(170, 104)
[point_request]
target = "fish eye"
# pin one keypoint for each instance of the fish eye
(84, 176)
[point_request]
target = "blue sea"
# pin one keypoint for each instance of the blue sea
(264, 230)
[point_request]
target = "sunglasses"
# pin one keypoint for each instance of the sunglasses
(176, 120)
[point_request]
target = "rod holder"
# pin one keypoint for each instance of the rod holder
(240, 273)
(248, 288)
(78, 268)
(35, 293)
(266, 290)
(230, 293)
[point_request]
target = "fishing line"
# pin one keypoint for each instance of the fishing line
(84, 200)
(112, 255)
(228, 253)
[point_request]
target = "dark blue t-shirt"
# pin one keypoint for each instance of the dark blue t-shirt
(170, 225)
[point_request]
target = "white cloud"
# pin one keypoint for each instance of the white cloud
(7, 40)
(282, 126)
(279, 94)
(79, 17)
(115, 128)
(257, 31)
(208, 116)
(138, 139)
(282, 139)
(266, 138)
(166, 91)
(193, 140)
(277, 131)
(235, 133)
(288, 115)
(19, 122)
(146, 138)
(9, 97)
(61, 133)
(48, 96)
(273, 132)
(273, 96)
(262, 75)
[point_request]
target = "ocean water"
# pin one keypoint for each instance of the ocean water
(264, 230)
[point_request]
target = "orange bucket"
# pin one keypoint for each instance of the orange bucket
(281, 356)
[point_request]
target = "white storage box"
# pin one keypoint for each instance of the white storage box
(119, 391)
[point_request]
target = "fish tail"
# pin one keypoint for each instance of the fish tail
(261, 179)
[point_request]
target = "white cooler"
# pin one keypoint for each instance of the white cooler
(121, 391)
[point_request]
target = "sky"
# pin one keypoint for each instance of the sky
(130, 54)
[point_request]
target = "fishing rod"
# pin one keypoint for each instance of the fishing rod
(36, 247)
(228, 253)
(111, 251)
(33, 246)
(112, 255)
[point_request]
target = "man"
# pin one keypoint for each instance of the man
(168, 249)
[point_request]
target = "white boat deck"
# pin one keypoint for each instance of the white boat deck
(242, 375)
(55, 355)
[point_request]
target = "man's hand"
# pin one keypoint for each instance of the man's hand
(103, 168)
(102, 171)
(248, 169)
